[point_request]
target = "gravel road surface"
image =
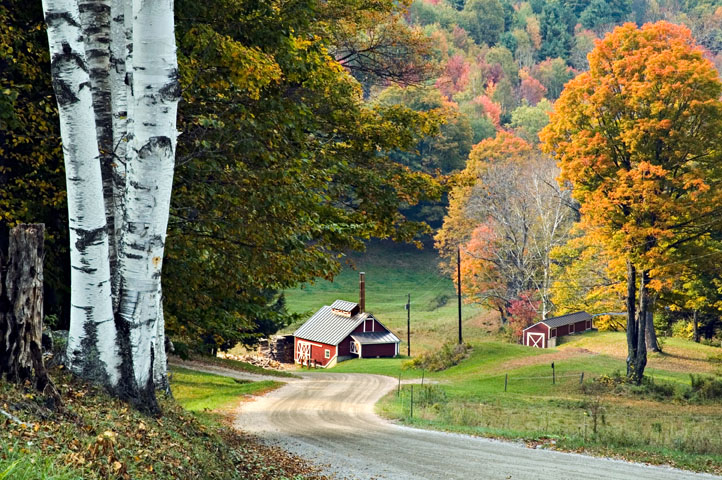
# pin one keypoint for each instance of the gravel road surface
(328, 418)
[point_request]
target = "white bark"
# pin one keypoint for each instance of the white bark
(119, 42)
(95, 23)
(92, 349)
(149, 180)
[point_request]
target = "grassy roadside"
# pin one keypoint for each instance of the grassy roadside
(654, 424)
(94, 436)
(236, 365)
(200, 392)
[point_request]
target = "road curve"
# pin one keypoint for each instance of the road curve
(328, 418)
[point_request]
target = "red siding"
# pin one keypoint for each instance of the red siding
(344, 348)
(539, 328)
(376, 327)
(379, 350)
(318, 352)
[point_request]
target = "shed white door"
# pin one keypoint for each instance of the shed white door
(303, 352)
(534, 339)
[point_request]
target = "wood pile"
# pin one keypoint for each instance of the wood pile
(278, 348)
(256, 360)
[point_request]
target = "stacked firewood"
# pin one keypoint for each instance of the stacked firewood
(278, 348)
(257, 360)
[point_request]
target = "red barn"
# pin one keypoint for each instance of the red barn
(545, 333)
(341, 332)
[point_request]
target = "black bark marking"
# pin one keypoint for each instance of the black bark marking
(171, 91)
(89, 237)
(53, 18)
(154, 143)
(63, 93)
(88, 270)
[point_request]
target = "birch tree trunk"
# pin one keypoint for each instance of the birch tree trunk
(92, 349)
(119, 147)
(95, 23)
(155, 98)
(120, 42)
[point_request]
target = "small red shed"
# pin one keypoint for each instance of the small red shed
(341, 332)
(545, 333)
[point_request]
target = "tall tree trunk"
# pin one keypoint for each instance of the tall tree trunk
(149, 181)
(632, 332)
(95, 22)
(92, 349)
(695, 325)
(120, 42)
(650, 333)
(640, 361)
(21, 309)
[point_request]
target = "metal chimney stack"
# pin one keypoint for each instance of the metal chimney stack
(362, 291)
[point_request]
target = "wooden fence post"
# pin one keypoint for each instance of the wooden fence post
(21, 309)
(412, 401)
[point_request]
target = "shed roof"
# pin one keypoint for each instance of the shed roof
(371, 338)
(327, 327)
(567, 319)
(344, 306)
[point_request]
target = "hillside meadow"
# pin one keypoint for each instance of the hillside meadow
(392, 272)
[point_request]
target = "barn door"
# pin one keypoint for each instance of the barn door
(535, 340)
(303, 352)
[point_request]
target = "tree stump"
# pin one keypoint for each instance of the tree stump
(21, 309)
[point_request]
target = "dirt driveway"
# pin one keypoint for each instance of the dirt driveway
(328, 418)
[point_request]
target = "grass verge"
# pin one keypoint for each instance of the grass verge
(237, 366)
(198, 391)
(94, 436)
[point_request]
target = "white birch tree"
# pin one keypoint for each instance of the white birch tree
(115, 75)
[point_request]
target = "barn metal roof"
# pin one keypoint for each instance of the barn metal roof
(566, 319)
(344, 306)
(370, 338)
(327, 327)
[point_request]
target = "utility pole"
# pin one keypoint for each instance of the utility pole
(458, 281)
(408, 326)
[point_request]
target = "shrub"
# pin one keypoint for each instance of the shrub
(704, 388)
(683, 329)
(449, 355)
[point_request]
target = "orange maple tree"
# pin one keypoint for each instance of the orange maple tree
(638, 135)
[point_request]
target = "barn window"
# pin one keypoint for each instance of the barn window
(589, 324)
(554, 332)
(327, 353)
(571, 328)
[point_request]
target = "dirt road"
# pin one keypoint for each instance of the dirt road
(328, 418)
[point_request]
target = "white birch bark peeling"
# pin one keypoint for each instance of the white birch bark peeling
(149, 178)
(92, 350)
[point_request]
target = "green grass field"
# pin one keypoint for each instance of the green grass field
(197, 391)
(392, 272)
(470, 398)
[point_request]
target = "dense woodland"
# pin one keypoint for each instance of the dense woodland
(310, 127)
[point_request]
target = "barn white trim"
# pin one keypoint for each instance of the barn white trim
(537, 342)
(303, 351)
